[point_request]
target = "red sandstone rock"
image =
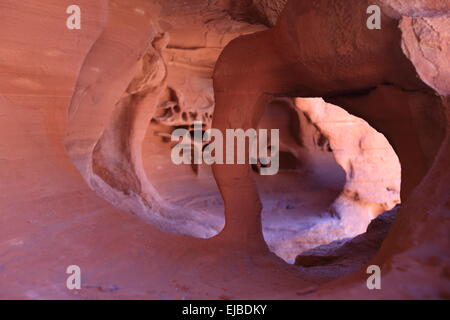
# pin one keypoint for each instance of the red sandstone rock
(257, 11)
(414, 8)
(301, 53)
(83, 100)
(426, 43)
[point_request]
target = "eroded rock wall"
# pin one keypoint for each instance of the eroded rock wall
(375, 60)
(84, 99)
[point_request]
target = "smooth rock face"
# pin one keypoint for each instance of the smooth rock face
(86, 116)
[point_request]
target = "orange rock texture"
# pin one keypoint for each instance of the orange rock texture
(86, 177)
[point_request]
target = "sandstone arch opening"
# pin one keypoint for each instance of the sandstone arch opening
(318, 196)
(199, 190)
(345, 174)
(72, 88)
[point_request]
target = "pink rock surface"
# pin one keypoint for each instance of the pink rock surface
(84, 114)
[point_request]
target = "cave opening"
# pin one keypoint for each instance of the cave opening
(74, 119)
(336, 175)
(340, 174)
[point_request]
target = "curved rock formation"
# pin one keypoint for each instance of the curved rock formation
(374, 59)
(371, 165)
(87, 114)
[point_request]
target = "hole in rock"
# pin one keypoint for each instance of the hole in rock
(336, 174)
